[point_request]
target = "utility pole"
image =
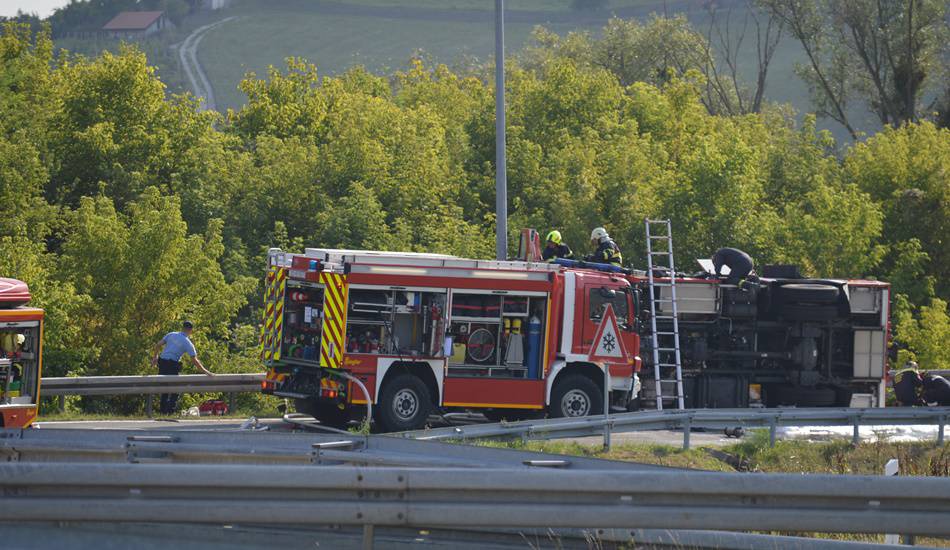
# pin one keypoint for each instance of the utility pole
(501, 161)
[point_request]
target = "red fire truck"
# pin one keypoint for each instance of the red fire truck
(426, 333)
(21, 355)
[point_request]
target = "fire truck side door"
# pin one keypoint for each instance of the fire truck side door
(596, 298)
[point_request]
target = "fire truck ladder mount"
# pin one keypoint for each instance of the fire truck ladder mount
(667, 365)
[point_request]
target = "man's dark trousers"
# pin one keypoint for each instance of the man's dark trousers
(169, 401)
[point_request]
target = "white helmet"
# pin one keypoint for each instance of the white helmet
(599, 234)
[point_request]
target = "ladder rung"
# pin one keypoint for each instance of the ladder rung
(659, 333)
(666, 349)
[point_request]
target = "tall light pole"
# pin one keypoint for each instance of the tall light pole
(501, 161)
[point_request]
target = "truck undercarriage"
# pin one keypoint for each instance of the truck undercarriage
(779, 342)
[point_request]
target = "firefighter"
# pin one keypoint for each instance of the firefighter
(607, 250)
(173, 346)
(907, 385)
(555, 248)
(739, 264)
(936, 389)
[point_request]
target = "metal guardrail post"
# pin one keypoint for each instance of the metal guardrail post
(772, 429)
(231, 402)
(686, 429)
(856, 433)
(62, 403)
(368, 536)
(148, 405)
(891, 468)
(940, 427)
(606, 406)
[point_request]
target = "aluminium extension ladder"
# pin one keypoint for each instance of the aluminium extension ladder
(667, 365)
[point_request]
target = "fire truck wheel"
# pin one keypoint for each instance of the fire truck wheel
(404, 404)
(576, 396)
(329, 414)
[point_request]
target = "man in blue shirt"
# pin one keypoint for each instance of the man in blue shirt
(173, 346)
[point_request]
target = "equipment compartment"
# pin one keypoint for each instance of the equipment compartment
(303, 323)
(496, 335)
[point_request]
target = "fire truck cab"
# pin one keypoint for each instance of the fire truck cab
(21, 355)
(424, 333)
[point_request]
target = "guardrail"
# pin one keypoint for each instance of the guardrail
(685, 420)
(141, 385)
(228, 445)
(246, 536)
(150, 385)
(458, 498)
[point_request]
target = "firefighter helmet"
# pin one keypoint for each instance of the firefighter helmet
(554, 237)
(599, 234)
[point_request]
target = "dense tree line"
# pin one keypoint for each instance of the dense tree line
(129, 209)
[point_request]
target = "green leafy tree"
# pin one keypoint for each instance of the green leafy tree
(143, 274)
(905, 171)
(927, 336)
(118, 134)
(884, 53)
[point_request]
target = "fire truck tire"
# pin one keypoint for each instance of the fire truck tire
(802, 397)
(805, 312)
(329, 414)
(575, 396)
(810, 293)
(404, 404)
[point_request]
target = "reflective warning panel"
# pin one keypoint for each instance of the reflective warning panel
(607, 346)
(334, 320)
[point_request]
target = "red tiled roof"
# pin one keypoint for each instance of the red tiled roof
(133, 21)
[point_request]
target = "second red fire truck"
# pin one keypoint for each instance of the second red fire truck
(424, 333)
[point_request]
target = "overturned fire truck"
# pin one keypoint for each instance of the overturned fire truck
(423, 333)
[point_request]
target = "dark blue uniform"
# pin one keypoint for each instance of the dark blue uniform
(936, 390)
(607, 253)
(550, 253)
(739, 263)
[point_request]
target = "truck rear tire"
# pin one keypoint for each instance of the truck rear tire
(328, 413)
(576, 396)
(404, 404)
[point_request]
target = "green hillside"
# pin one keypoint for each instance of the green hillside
(336, 42)
(384, 34)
